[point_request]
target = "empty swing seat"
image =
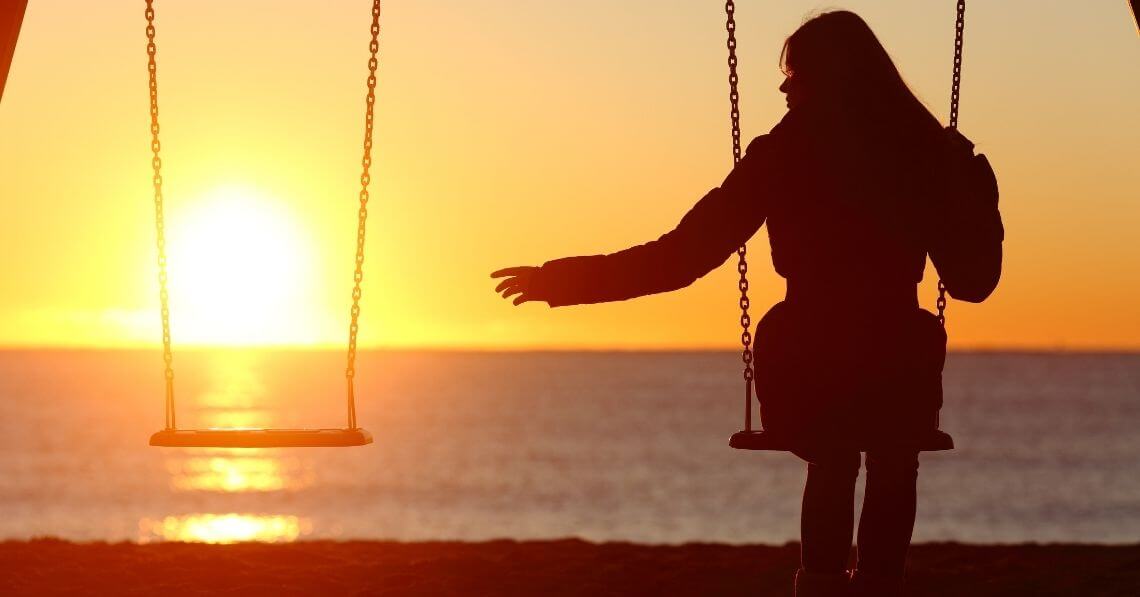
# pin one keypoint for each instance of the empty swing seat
(260, 438)
(171, 435)
(935, 440)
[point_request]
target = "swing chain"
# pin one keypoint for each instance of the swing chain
(362, 213)
(733, 80)
(956, 81)
(955, 86)
(159, 215)
(742, 251)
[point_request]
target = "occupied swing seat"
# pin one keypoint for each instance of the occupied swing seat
(260, 438)
(934, 440)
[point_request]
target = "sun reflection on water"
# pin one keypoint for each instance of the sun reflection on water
(235, 418)
(224, 528)
(233, 381)
(239, 471)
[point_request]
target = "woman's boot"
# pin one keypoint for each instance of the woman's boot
(821, 584)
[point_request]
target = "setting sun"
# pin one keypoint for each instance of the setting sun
(241, 270)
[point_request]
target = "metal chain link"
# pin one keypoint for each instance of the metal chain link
(955, 86)
(742, 252)
(159, 216)
(365, 178)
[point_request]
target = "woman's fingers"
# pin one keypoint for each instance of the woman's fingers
(517, 282)
(512, 281)
(513, 271)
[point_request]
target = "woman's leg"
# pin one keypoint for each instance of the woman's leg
(828, 518)
(887, 521)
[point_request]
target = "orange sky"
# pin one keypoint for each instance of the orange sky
(511, 133)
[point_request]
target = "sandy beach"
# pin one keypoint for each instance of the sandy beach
(562, 567)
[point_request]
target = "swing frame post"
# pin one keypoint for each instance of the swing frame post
(11, 17)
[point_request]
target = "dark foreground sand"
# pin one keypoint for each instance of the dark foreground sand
(566, 567)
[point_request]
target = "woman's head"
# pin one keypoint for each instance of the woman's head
(835, 59)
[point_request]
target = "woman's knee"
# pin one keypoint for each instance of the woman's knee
(892, 464)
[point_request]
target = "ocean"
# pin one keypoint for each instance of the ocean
(606, 446)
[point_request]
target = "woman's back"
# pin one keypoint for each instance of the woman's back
(847, 217)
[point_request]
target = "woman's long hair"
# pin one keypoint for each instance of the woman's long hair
(839, 62)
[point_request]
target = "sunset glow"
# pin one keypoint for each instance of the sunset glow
(504, 138)
(241, 270)
(569, 298)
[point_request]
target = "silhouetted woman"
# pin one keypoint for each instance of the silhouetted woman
(858, 183)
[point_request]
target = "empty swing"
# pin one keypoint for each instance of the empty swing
(758, 439)
(351, 434)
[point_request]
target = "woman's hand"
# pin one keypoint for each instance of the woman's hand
(518, 281)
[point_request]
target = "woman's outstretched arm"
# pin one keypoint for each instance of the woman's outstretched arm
(721, 221)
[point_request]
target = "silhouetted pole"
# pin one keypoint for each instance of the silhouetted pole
(11, 15)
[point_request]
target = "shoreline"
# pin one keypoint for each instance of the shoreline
(553, 567)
